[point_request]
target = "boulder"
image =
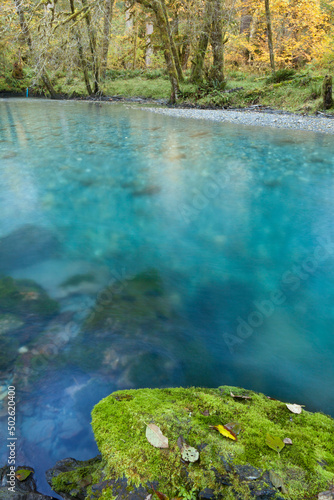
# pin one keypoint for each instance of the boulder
(228, 427)
(26, 246)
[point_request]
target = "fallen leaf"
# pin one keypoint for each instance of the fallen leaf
(287, 441)
(161, 496)
(189, 454)
(233, 426)
(206, 413)
(275, 443)
(180, 441)
(237, 396)
(155, 437)
(294, 408)
(225, 432)
(277, 481)
(22, 474)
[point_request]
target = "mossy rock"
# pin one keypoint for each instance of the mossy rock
(25, 297)
(131, 303)
(306, 467)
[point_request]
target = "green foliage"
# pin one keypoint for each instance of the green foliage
(281, 75)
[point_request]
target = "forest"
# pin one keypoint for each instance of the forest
(201, 52)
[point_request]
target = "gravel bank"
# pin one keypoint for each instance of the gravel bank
(255, 118)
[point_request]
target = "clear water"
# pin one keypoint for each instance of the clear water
(236, 221)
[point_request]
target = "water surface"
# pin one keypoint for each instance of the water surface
(215, 243)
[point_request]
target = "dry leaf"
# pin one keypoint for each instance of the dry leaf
(155, 437)
(225, 432)
(275, 443)
(277, 481)
(287, 441)
(239, 397)
(161, 496)
(294, 408)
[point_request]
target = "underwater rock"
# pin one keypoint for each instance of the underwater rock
(135, 336)
(130, 467)
(25, 246)
(65, 278)
(147, 191)
(131, 302)
(9, 322)
(24, 490)
(23, 298)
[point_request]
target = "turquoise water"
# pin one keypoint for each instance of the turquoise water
(232, 225)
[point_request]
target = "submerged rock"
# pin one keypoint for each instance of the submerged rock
(25, 246)
(134, 335)
(245, 467)
(25, 297)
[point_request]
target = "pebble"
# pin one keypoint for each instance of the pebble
(263, 119)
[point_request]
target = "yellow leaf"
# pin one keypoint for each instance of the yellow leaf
(225, 432)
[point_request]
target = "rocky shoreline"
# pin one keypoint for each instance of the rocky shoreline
(258, 117)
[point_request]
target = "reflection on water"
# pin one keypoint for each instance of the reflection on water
(139, 250)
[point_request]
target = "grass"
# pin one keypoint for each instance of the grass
(288, 90)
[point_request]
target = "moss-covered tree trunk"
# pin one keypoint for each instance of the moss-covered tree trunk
(198, 64)
(108, 11)
(172, 43)
(217, 43)
(92, 45)
(270, 36)
(81, 54)
(327, 89)
(159, 11)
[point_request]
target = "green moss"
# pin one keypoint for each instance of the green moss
(119, 426)
(131, 302)
(23, 297)
(81, 478)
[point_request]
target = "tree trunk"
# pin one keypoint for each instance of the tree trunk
(245, 25)
(149, 50)
(172, 43)
(92, 45)
(184, 54)
(108, 10)
(23, 24)
(26, 34)
(135, 42)
(217, 43)
(81, 55)
(168, 53)
(156, 6)
(327, 92)
(270, 36)
(197, 70)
